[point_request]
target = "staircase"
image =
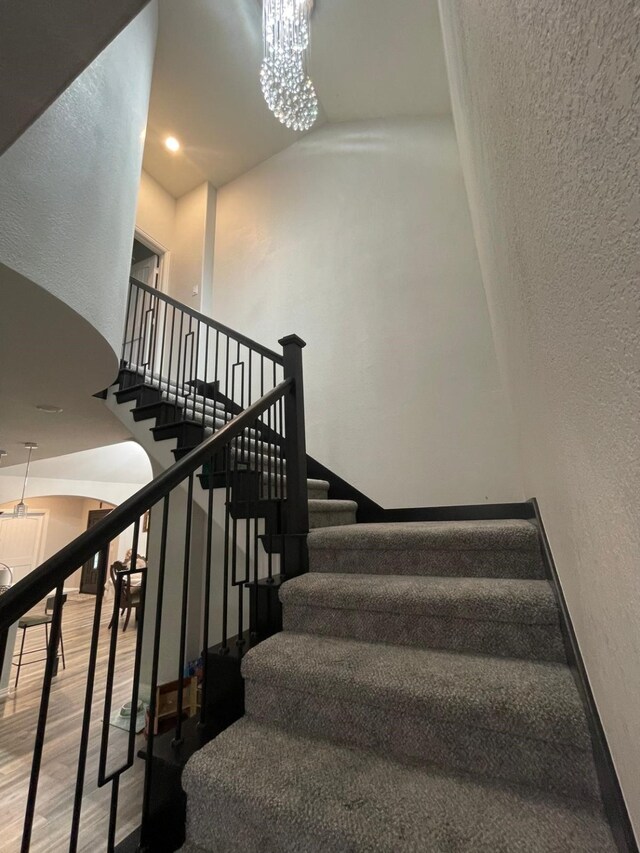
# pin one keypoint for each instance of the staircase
(372, 683)
(417, 700)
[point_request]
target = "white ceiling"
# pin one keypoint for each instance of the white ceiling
(369, 59)
(126, 462)
(42, 342)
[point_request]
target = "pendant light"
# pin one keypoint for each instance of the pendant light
(20, 509)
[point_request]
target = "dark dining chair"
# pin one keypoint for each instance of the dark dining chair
(129, 594)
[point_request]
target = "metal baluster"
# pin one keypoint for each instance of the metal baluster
(195, 353)
(207, 591)
(134, 329)
(216, 379)
(141, 335)
(234, 565)
(126, 323)
(153, 355)
(213, 399)
(111, 662)
(113, 813)
(269, 490)
(205, 391)
(179, 361)
(146, 798)
(225, 588)
(52, 654)
(281, 432)
(256, 508)
(186, 383)
(226, 381)
(162, 346)
(183, 617)
(171, 345)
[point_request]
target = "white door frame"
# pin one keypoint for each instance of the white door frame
(164, 257)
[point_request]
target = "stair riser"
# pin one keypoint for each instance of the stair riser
(488, 564)
(186, 433)
(552, 767)
(330, 519)
(163, 412)
(245, 831)
(316, 494)
(140, 395)
(530, 642)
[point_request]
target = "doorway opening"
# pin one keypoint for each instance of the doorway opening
(149, 261)
(89, 574)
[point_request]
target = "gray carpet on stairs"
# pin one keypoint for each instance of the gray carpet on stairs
(418, 701)
(263, 789)
(506, 617)
(329, 513)
(507, 549)
(519, 721)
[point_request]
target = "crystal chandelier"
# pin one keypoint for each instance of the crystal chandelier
(20, 509)
(286, 86)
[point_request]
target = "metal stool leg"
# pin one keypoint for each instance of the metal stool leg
(24, 634)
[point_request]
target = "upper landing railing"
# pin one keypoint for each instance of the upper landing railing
(199, 364)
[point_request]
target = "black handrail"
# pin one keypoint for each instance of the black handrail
(209, 321)
(54, 571)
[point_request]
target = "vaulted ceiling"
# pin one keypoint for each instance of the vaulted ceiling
(369, 59)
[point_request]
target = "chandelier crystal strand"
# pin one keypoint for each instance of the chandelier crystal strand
(287, 89)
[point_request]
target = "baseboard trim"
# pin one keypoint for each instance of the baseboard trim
(612, 796)
(459, 512)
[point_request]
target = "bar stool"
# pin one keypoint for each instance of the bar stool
(31, 622)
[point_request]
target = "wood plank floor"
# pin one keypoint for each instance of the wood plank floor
(18, 716)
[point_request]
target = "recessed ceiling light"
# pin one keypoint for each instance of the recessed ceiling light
(172, 144)
(50, 410)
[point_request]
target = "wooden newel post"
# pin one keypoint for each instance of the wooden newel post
(297, 507)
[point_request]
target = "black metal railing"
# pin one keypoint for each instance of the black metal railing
(201, 367)
(230, 515)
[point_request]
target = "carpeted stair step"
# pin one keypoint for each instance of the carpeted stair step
(331, 513)
(200, 406)
(264, 463)
(258, 789)
(317, 490)
(506, 548)
(514, 720)
(497, 616)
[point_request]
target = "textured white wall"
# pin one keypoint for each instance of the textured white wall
(547, 110)
(68, 185)
(186, 228)
(358, 238)
(156, 211)
(193, 238)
